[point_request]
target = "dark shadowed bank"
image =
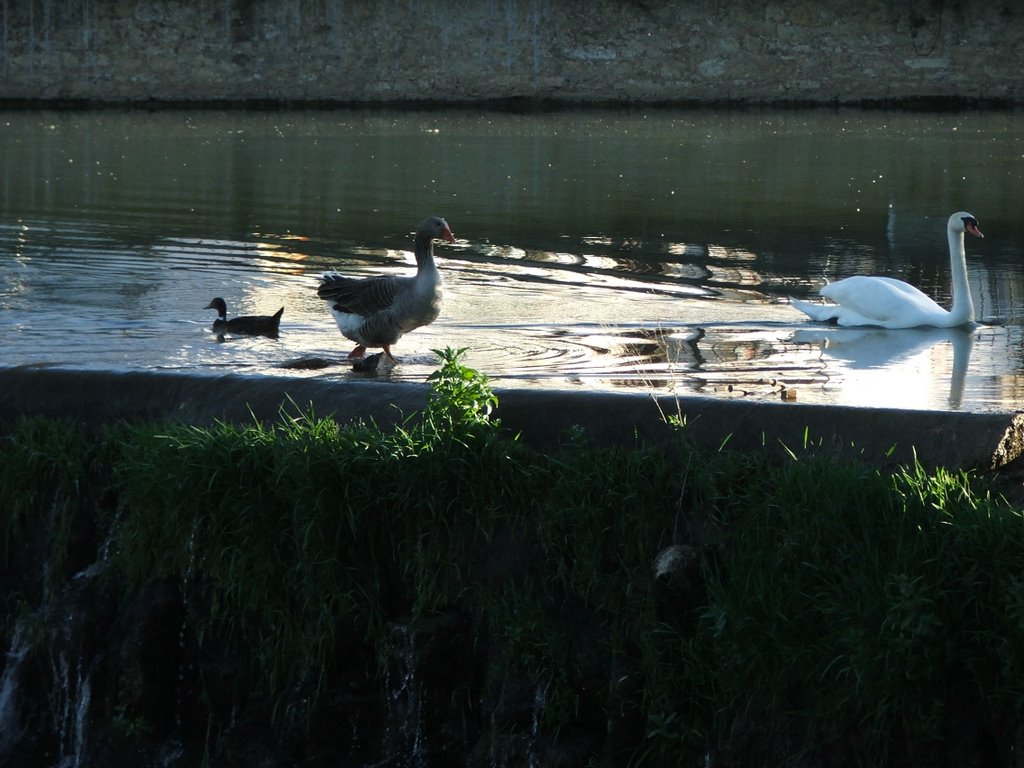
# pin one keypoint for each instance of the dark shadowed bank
(431, 591)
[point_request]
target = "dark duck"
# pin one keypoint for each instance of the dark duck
(252, 325)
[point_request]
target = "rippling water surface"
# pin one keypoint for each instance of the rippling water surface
(597, 250)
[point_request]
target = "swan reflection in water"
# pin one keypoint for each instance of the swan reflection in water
(893, 354)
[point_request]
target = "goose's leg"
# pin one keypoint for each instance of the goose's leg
(387, 351)
(359, 351)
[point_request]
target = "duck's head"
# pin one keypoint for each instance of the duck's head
(435, 228)
(962, 221)
(219, 305)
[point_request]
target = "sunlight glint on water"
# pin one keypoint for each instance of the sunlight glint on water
(597, 250)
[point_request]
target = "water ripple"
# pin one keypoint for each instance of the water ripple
(583, 259)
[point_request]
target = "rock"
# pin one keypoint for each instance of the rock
(679, 585)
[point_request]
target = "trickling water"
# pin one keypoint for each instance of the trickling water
(11, 726)
(72, 694)
(169, 755)
(64, 621)
(492, 745)
(539, 698)
(186, 589)
(72, 663)
(405, 739)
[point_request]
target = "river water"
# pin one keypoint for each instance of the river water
(603, 250)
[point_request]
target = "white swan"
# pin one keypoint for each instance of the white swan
(891, 303)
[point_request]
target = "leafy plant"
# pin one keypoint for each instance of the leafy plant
(461, 398)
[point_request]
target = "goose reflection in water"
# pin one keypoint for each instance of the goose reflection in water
(884, 350)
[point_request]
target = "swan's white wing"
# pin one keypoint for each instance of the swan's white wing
(883, 301)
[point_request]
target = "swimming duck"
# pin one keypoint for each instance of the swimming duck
(254, 325)
(890, 303)
(377, 311)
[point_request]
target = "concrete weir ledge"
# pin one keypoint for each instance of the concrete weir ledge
(542, 417)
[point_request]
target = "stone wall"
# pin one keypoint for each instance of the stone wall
(618, 51)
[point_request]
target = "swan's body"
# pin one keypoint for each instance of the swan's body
(889, 303)
(256, 325)
(377, 311)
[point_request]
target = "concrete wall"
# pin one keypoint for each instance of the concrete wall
(469, 50)
(544, 418)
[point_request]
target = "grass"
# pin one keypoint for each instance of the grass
(842, 607)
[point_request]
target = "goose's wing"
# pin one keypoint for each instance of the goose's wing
(361, 296)
(884, 300)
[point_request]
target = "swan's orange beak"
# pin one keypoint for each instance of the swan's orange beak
(973, 229)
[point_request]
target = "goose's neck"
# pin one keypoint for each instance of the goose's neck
(963, 305)
(425, 254)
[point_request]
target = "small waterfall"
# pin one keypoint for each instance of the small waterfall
(492, 746)
(187, 579)
(72, 695)
(404, 740)
(539, 699)
(516, 741)
(61, 640)
(72, 660)
(11, 727)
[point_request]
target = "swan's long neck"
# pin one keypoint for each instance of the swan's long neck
(963, 305)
